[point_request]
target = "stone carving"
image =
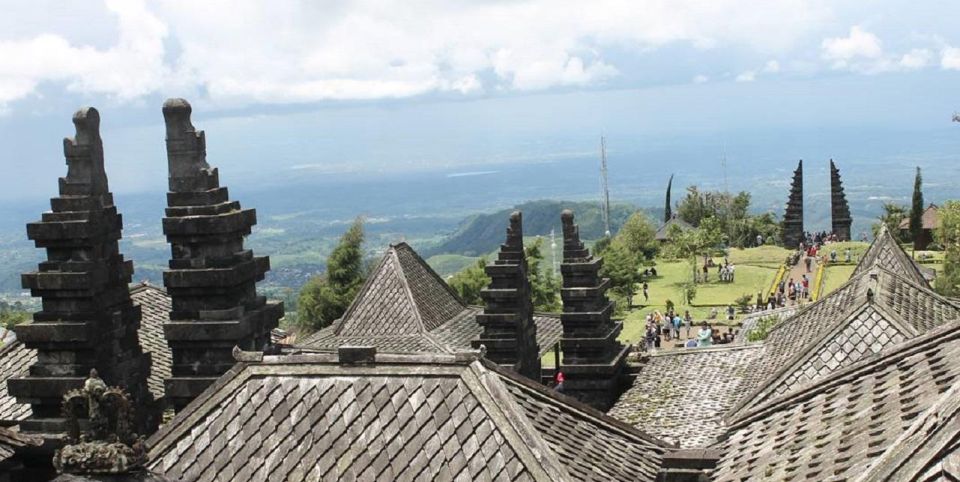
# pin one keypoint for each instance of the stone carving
(212, 278)
(509, 333)
(839, 209)
(593, 359)
(88, 319)
(793, 218)
(109, 445)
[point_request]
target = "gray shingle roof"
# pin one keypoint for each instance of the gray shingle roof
(405, 307)
(840, 427)
(929, 451)
(885, 251)
(155, 306)
(681, 396)
(842, 328)
(15, 358)
(405, 417)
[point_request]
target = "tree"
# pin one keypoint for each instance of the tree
(948, 235)
(667, 210)
(637, 236)
(325, 298)
(544, 283)
(893, 215)
(916, 210)
(620, 265)
(693, 243)
(469, 281)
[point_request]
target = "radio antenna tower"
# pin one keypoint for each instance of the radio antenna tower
(604, 190)
(553, 252)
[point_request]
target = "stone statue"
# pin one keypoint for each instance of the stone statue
(108, 445)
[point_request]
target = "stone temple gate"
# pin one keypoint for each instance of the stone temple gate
(793, 231)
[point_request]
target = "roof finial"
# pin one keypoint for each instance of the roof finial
(84, 154)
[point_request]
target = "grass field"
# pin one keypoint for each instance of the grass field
(750, 279)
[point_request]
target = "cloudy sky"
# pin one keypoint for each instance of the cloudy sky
(365, 85)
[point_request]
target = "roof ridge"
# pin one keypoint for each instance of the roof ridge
(367, 286)
(767, 385)
(419, 259)
(884, 237)
(933, 424)
(531, 441)
(829, 297)
(939, 335)
(574, 405)
(392, 252)
(146, 285)
(923, 287)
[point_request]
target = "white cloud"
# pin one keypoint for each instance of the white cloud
(950, 58)
(858, 44)
(701, 79)
(748, 76)
(771, 67)
(916, 59)
(242, 51)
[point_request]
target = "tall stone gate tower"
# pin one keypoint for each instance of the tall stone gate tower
(212, 278)
(793, 218)
(593, 360)
(509, 333)
(839, 209)
(88, 320)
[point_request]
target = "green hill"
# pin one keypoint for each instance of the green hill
(483, 233)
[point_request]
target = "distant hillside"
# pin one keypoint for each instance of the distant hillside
(483, 233)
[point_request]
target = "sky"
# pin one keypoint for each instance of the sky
(295, 90)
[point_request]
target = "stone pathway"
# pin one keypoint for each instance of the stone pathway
(796, 273)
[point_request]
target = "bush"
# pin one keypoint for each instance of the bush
(743, 302)
(762, 328)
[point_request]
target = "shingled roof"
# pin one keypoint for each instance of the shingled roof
(879, 410)
(875, 309)
(393, 417)
(406, 307)
(681, 396)
(15, 358)
(886, 251)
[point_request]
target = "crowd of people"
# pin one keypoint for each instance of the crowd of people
(725, 270)
(672, 327)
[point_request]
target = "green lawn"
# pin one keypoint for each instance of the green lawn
(764, 255)
(750, 279)
(834, 276)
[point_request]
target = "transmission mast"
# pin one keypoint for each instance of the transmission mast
(553, 252)
(604, 190)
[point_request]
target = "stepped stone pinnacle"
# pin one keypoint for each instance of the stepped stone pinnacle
(793, 218)
(839, 209)
(593, 360)
(509, 333)
(212, 278)
(88, 320)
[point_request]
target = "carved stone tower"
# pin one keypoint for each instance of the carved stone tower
(88, 320)
(212, 278)
(839, 209)
(793, 218)
(509, 333)
(593, 360)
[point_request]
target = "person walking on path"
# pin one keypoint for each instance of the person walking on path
(646, 292)
(689, 319)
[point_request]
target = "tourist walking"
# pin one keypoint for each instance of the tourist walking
(646, 294)
(689, 319)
